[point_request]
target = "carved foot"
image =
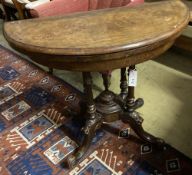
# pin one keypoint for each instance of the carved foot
(135, 121)
(89, 132)
(130, 107)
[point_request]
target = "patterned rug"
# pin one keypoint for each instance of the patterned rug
(38, 132)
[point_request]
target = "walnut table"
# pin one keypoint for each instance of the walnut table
(98, 41)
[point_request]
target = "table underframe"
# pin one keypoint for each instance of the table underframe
(110, 107)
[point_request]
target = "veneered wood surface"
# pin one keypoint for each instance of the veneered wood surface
(185, 41)
(189, 4)
(91, 40)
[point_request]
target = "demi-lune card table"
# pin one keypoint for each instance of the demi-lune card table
(101, 40)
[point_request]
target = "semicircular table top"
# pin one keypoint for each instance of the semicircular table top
(184, 42)
(94, 32)
(189, 4)
(102, 39)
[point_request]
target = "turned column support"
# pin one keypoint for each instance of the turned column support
(87, 83)
(93, 121)
(123, 84)
(131, 90)
(106, 79)
(130, 103)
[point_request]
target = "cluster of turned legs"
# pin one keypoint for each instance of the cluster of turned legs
(107, 104)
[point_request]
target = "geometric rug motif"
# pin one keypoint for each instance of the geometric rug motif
(38, 97)
(15, 110)
(8, 73)
(39, 129)
(60, 150)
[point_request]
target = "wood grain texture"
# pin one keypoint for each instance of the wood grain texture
(189, 4)
(185, 41)
(117, 35)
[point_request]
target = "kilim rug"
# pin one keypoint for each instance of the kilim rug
(37, 131)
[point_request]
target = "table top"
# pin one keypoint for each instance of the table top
(80, 36)
(189, 4)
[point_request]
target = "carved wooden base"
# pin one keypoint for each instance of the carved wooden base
(109, 107)
(135, 121)
(89, 132)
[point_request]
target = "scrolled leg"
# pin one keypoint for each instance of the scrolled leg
(133, 118)
(89, 132)
(94, 121)
(135, 121)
